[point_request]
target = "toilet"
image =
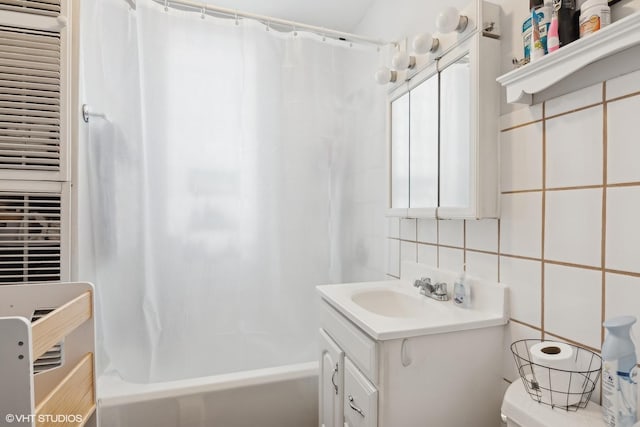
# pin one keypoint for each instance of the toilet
(520, 410)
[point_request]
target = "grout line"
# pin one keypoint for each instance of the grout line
(528, 325)
(480, 251)
(427, 244)
(438, 244)
(522, 191)
(619, 98)
(603, 244)
(576, 110)
(498, 251)
(595, 350)
(464, 245)
(623, 273)
(528, 258)
(520, 125)
(577, 187)
(572, 265)
(623, 184)
(544, 207)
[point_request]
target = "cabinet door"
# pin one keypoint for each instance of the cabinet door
(331, 382)
(400, 152)
(360, 398)
(455, 135)
(423, 145)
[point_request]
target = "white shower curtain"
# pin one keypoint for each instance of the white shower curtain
(216, 193)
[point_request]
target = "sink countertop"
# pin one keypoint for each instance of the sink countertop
(488, 305)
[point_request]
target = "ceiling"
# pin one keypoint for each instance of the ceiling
(341, 15)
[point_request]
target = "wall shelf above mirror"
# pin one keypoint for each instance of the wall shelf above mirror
(610, 52)
(443, 130)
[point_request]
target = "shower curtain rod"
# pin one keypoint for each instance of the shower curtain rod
(207, 9)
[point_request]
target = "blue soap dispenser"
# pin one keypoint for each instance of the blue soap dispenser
(462, 291)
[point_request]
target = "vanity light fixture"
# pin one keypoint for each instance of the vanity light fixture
(385, 75)
(450, 20)
(425, 43)
(401, 61)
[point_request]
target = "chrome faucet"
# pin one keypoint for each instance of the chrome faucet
(437, 292)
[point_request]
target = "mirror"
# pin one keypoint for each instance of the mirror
(423, 145)
(455, 143)
(400, 152)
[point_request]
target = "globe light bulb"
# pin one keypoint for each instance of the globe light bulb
(385, 75)
(450, 20)
(425, 43)
(402, 61)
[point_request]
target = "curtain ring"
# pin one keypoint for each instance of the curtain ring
(295, 33)
(324, 36)
(268, 25)
(237, 22)
(166, 5)
(203, 11)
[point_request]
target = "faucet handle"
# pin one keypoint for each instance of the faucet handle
(422, 283)
(440, 289)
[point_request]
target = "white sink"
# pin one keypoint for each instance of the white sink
(395, 309)
(386, 302)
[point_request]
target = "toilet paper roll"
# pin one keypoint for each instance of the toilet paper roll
(553, 363)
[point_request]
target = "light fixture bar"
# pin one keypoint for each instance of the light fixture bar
(269, 20)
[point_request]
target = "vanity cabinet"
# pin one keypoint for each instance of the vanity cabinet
(444, 128)
(410, 382)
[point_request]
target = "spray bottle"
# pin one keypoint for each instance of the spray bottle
(619, 374)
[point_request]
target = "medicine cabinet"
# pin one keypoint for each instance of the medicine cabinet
(443, 138)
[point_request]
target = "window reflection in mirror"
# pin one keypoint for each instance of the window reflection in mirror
(400, 152)
(423, 188)
(455, 106)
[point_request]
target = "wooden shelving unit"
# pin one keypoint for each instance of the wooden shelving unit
(610, 52)
(64, 394)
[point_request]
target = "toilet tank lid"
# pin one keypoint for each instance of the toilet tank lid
(519, 407)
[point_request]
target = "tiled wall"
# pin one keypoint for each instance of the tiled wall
(568, 240)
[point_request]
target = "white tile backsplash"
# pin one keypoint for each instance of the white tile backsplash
(428, 254)
(521, 157)
(573, 226)
(573, 296)
(623, 85)
(393, 257)
(451, 232)
(622, 297)
(521, 116)
(574, 100)
(623, 229)
(451, 259)
(521, 224)
(483, 266)
(482, 234)
(524, 278)
(408, 229)
(623, 149)
(574, 149)
(573, 303)
(408, 252)
(428, 230)
(393, 227)
(514, 332)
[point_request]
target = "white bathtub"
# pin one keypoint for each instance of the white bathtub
(285, 396)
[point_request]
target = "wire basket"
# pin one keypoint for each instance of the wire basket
(558, 388)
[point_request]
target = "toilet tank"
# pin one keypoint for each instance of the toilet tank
(520, 410)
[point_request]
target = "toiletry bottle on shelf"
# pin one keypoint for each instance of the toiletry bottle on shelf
(553, 41)
(462, 291)
(568, 22)
(537, 47)
(543, 15)
(619, 374)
